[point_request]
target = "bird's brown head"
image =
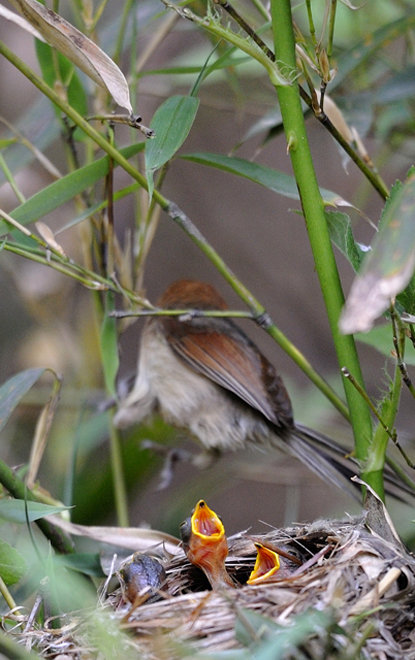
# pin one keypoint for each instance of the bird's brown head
(191, 294)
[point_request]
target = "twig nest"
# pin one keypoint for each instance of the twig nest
(334, 589)
(360, 583)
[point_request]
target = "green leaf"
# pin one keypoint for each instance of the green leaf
(6, 142)
(270, 123)
(388, 268)
(96, 208)
(398, 87)
(171, 123)
(380, 338)
(248, 621)
(84, 562)
(278, 182)
(13, 390)
(38, 122)
(15, 510)
(12, 564)
(109, 346)
(341, 234)
(75, 92)
(64, 189)
(365, 48)
(276, 640)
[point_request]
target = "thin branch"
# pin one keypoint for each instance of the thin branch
(399, 344)
(317, 111)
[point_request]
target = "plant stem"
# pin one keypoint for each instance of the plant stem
(259, 313)
(311, 23)
(6, 594)
(374, 177)
(333, 8)
(120, 491)
(376, 462)
(18, 489)
(10, 178)
(313, 209)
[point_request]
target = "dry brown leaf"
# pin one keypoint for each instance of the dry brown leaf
(49, 237)
(77, 48)
(133, 538)
(18, 20)
(41, 436)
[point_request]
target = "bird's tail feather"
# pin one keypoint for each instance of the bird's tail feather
(303, 442)
(330, 460)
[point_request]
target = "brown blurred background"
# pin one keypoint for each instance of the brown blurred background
(46, 319)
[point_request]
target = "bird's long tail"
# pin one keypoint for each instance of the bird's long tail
(311, 448)
(332, 462)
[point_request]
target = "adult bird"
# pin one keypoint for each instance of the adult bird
(203, 374)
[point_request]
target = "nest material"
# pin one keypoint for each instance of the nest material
(364, 580)
(349, 572)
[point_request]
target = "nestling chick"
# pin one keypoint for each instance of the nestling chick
(205, 544)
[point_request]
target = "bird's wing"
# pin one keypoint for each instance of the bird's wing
(236, 366)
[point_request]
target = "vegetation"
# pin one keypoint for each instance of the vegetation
(349, 69)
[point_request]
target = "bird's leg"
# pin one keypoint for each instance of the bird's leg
(174, 455)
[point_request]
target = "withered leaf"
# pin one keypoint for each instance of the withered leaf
(78, 48)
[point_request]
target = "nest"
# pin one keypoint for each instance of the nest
(352, 597)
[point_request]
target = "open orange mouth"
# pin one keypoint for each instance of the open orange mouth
(205, 523)
(266, 565)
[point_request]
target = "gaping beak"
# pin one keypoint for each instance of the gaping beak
(266, 565)
(205, 544)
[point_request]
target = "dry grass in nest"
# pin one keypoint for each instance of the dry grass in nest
(353, 597)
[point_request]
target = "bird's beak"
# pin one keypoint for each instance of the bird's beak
(266, 565)
(206, 524)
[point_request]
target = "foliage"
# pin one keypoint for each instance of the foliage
(90, 158)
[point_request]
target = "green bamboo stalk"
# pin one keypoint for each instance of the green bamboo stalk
(313, 209)
(376, 460)
(120, 489)
(259, 313)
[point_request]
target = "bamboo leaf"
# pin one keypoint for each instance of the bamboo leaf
(133, 538)
(365, 48)
(389, 266)
(109, 346)
(13, 390)
(274, 180)
(80, 50)
(83, 562)
(21, 22)
(341, 234)
(171, 123)
(15, 510)
(6, 142)
(12, 564)
(41, 434)
(272, 640)
(66, 188)
(75, 91)
(380, 338)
